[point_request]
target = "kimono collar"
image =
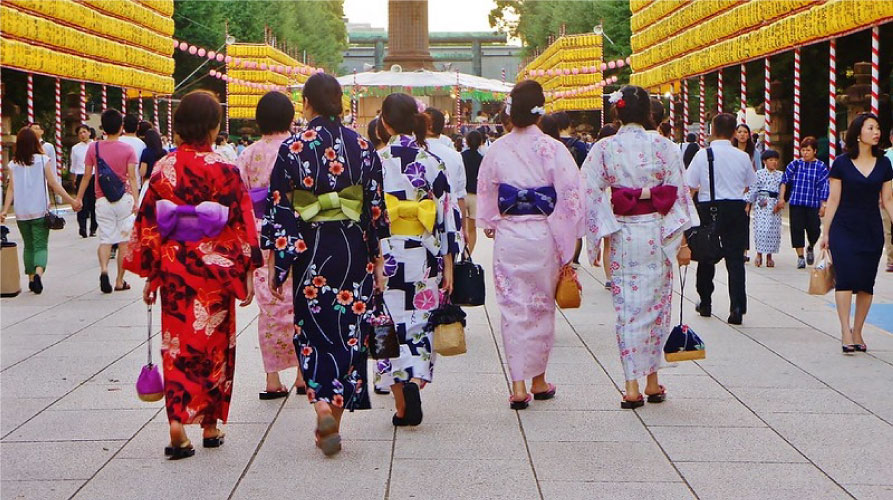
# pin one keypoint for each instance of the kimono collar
(195, 148)
(407, 141)
(277, 137)
(529, 130)
(321, 121)
(631, 128)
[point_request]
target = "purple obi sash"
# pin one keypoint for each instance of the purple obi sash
(534, 201)
(259, 201)
(190, 222)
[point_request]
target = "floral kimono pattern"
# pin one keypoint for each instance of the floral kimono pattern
(414, 263)
(529, 249)
(198, 280)
(275, 327)
(763, 196)
(331, 261)
(643, 247)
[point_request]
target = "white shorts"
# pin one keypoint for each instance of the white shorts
(115, 220)
(471, 204)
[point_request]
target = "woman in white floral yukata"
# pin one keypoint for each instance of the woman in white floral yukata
(530, 199)
(644, 216)
(418, 256)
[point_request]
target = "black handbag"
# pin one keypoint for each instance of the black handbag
(703, 240)
(51, 218)
(383, 343)
(468, 282)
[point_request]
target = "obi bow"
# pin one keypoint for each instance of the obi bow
(534, 201)
(346, 204)
(626, 200)
(410, 218)
(190, 222)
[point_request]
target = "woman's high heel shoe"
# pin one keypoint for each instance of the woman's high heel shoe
(848, 349)
(860, 347)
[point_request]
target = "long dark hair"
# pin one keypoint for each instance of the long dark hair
(153, 143)
(323, 92)
(855, 130)
(399, 111)
(27, 145)
(750, 147)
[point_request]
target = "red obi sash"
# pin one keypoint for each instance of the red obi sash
(626, 200)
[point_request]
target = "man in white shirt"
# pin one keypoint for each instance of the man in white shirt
(76, 168)
(733, 174)
(223, 147)
(131, 124)
(442, 147)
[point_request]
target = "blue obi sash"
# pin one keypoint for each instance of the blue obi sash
(534, 201)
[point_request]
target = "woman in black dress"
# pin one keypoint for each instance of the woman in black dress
(853, 230)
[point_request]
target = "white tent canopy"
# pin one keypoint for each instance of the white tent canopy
(423, 78)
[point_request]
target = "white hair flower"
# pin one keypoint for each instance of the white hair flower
(615, 96)
(537, 110)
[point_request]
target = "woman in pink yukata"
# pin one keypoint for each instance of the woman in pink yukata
(530, 199)
(644, 216)
(275, 323)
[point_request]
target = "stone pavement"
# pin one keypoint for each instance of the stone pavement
(775, 411)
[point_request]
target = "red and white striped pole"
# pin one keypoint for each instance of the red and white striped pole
(767, 100)
(797, 102)
(139, 105)
(155, 112)
(875, 65)
(702, 113)
(58, 96)
(832, 100)
(123, 100)
(83, 102)
(672, 114)
(105, 98)
(30, 98)
(684, 108)
(170, 118)
(354, 107)
(458, 105)
(743, 93)
(719, 96)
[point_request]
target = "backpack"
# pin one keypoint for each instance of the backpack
(112, 186)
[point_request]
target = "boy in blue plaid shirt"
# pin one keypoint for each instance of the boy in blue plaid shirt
(807, 178)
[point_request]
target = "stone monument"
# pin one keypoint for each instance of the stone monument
(408, 35)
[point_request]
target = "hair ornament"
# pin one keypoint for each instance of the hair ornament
(508, 105)
(538, 110)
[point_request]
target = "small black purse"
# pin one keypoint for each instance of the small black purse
(703, 240)
(51, 218)
(468, 282)
(383, 343)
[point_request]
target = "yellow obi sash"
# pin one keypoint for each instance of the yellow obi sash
(346, 204)
(410, 218)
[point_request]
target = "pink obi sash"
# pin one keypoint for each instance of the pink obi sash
(625, 201)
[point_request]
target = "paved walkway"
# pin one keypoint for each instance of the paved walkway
(775, 411)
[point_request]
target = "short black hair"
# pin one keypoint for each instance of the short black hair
(691, 137)
(438, 121)
(198, 114)
(400, 112)
(143, 127)
(549, 126)
(474, 140)
(112, 121)
(526, 95)
(323, 92)
(131, 123)
(81, 126)
(562, 120)
(657, 111)
(275, 113)
(607, 130)
(855, 130)
(769, 153)
(724, 125)
(636, 107)
(372, 133)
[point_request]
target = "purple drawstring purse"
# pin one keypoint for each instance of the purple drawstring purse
(149, 386)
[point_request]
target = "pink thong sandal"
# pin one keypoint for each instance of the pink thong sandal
(519, 405)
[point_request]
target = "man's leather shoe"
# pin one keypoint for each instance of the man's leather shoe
(735, 318)
(703, 310)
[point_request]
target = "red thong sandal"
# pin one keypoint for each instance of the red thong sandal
(660, 397)
(547, 394)
(632, 404)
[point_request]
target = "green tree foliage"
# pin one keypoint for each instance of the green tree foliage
(305, 25)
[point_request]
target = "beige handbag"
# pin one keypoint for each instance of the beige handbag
(569, 292)
(449, 340)
(821, 277)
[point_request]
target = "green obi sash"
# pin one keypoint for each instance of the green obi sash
(346, 204)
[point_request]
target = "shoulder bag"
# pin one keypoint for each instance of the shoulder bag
(468, 282)
(52, 219)
(704, 240)
(112, 186)
(149, 385)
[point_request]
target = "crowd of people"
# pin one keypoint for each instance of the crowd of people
(327, 229)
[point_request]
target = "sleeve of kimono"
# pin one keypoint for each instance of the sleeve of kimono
(566, 221)
(248, 227)
(823, 186)
(600, 220)
(754, 188)
(374, 210)
(279, 230)
(447, 210)
(487, 190)
(144, 249)
(683, 215)
(243, 172)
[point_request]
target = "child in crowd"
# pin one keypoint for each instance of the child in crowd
(763, 197)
